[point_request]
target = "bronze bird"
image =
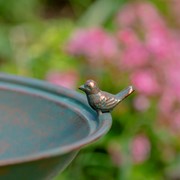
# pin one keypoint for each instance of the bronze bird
(102, 101)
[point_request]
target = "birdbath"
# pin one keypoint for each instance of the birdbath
(42, 127)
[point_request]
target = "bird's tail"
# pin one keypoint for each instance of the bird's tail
(125, 92)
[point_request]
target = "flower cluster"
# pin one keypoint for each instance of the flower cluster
(151, 55)
(94, 44)
(144, 46)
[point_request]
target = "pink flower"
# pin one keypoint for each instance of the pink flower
(157, 34)
(65, 79)
(140, 148)
(93, 44)
(153, 29)
(149, 16)
(175, 121)
(158, 42)
(134, 56)
(166, 102)
(173, 78)
(145, 81)
(127, 16)
(127, 37)
(141, 103)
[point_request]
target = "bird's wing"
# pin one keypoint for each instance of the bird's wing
(109, 101)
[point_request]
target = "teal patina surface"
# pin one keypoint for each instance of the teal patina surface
(42, 127)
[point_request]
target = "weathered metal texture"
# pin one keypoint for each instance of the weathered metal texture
(42, 127)
(102, 101)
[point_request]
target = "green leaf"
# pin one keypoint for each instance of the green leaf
(99, 12)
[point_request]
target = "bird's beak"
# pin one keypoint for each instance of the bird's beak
(82, 88)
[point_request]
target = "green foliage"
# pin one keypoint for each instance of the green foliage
(12, 11)
(99, 12)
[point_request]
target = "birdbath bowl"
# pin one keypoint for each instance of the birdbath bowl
(42, 127)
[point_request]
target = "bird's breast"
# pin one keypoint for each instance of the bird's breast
(97, 100)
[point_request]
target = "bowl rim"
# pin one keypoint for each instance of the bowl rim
(105, 119)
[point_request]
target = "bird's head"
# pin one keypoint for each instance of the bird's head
(90, 87)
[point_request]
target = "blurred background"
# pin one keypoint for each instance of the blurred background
(116, 43)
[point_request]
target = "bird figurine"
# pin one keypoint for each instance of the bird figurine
(102, 101)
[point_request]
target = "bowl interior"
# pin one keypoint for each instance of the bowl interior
(30, 123)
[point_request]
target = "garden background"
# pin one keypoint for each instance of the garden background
(116, 43)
